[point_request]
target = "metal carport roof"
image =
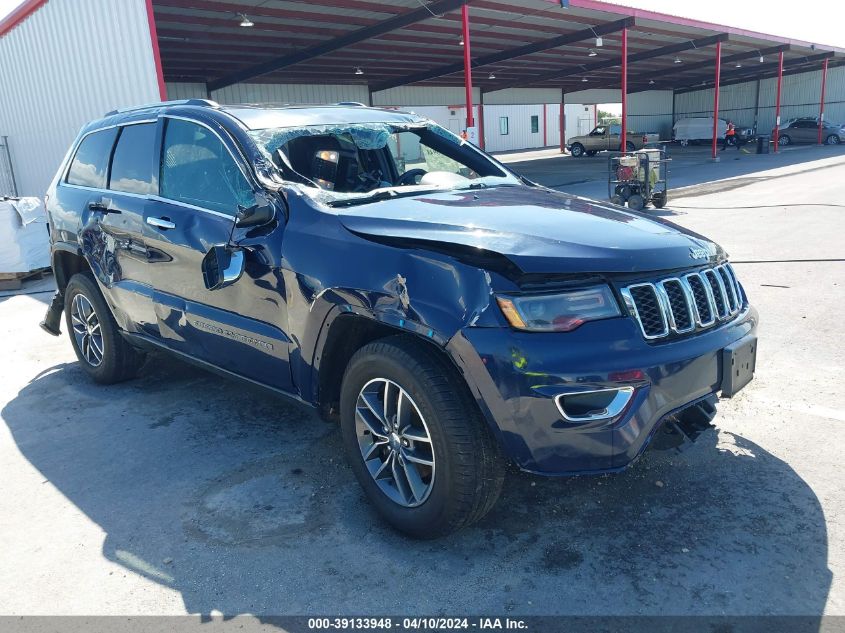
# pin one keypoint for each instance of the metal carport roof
(523, 43)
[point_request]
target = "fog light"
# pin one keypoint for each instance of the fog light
(600, 404)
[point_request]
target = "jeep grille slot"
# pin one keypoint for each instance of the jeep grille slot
(686, 304)
(649, 310)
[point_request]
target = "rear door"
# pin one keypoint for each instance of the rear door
(240, 328)
(111, 225)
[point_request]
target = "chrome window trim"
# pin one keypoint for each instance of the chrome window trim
(151, 197)
(632, 307)
(66, 170)
(616, 406)
(665, 295)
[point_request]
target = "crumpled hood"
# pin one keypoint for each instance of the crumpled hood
(539, 230)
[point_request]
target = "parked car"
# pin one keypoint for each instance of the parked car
(606, 137)
(700, 129)
(806, 130)
(451, 315)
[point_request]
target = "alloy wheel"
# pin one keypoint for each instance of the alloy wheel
(395, 442)
(86, 330)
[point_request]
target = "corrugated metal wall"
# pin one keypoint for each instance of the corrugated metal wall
(423, 96)
(68, 63)
(799, 97)
(651, 112)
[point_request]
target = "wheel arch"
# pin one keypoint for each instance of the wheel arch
(345, 330)
(66, 262)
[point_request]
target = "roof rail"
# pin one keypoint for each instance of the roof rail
(206, 103)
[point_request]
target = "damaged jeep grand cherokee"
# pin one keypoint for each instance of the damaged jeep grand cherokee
(451, 315)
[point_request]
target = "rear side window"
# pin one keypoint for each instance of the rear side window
(89, 165)
(132, 163)
(197, 169)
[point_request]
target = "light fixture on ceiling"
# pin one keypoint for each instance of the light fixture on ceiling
(584, 80)
(592, 53)
(762, 59)
(739, 65)
(651, 82)
(245, 21)
(461, 43)
(599, 42)
(358, 70)
(678, 60)
(491, 76)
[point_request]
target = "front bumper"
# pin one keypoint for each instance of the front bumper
(515, 377)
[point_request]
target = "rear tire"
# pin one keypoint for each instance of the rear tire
(833, 139)
(577, 150)
(659, 199)
(466, 471)
(103, 353)
(636, 202)
(617, 200)
(630, 147)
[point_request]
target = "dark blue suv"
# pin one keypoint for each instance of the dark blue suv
(451, 314)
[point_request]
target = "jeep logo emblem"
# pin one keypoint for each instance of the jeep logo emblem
(698, 253)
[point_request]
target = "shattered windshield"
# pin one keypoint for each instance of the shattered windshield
(338, 164)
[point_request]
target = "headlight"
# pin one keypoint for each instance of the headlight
(562, 312)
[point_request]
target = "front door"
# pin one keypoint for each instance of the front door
(240, 328)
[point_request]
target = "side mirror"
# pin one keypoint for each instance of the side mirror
(256, 215)
(222, 266)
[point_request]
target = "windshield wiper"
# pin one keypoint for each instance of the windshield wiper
(378, 196)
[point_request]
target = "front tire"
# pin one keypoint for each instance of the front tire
(100, 349)
(415, 439)
(577, 150)
(630, 147)
(784, 140)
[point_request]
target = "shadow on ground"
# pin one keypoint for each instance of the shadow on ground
(242, 502)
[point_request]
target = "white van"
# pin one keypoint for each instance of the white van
(697, 129)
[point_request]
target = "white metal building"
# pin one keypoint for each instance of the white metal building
(65, 62)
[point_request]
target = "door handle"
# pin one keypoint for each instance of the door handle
(161, 223)
(101, 206)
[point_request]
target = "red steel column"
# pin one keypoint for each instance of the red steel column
(467, 64)
(777, 100)
(623, 137)
(821, 102)
(481, 122)
(151, 21)
(716, 97)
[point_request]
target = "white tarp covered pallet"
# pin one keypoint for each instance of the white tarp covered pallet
(24, 241)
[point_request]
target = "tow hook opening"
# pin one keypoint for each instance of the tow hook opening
(681, 429)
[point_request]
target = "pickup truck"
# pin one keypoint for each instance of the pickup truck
(606, 137)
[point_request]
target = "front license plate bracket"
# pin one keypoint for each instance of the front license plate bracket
(738, 363)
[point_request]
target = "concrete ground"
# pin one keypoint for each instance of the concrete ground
(181, 492)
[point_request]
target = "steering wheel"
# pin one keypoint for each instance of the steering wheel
(410, 177)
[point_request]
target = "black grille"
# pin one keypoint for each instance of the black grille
(721, 308)
(729, 287)
(648, 309)
(678, 304)
(701, 302)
